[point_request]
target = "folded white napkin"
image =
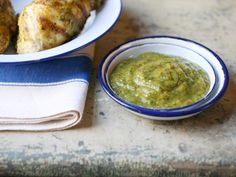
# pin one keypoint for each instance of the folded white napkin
(44, 96)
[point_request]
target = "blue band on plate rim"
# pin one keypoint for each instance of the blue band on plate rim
(164, 112)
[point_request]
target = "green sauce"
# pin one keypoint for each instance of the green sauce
(153, 80)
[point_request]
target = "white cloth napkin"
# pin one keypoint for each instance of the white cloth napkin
(44, 96)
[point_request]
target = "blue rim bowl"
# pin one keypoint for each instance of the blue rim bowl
(106, 17)
(217, 90)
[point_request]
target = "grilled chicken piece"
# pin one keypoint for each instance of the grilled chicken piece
(45, 24)
(7, 24)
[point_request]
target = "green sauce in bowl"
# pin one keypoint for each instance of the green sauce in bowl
(153, 80)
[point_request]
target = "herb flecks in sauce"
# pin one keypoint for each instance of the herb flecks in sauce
(153, 80)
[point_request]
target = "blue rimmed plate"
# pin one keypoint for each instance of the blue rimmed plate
(97, 25)
(168, 45)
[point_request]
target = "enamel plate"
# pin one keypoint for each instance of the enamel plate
(97, 25)
(173, 46)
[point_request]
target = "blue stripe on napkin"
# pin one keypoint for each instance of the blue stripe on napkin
(53, 71)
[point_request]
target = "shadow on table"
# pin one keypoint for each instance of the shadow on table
(126, 28)
(217, 114)
(87, 119)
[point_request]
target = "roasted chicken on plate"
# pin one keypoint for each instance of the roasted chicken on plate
(45, 24)
(8, 24)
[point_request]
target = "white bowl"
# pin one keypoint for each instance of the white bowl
(174, 46)
(97, 25)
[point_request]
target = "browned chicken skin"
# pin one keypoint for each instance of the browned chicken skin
(7, 24)
(45, 24)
